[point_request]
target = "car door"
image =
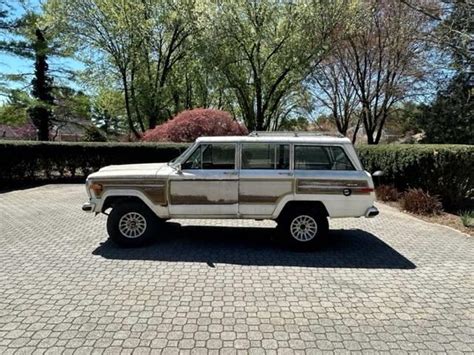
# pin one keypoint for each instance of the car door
(207, 183)
(265, 178)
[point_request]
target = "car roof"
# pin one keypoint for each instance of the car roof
(275, 139)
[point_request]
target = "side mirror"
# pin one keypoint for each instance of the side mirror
(177, 167)
(377, 173)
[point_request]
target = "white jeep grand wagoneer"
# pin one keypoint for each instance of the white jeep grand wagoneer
(298, 181)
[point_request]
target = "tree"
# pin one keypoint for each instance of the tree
(450, 118)
(41, 113)
(165, 45)
(263, 50)
(108, 112)
(31, 39)
(385, 60)
(454, 26)
(333, 89)
(71, 108)
(14, 110)
(141, 40)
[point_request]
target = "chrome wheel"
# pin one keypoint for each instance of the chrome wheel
(132, 225)
(303, 228)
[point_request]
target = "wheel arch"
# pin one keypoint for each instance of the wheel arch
(110, 201)
(313, 205)
(113, 196)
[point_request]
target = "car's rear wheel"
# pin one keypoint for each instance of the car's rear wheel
(131, 224)
(303, 229)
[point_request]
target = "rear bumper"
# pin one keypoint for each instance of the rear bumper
(371, 212)
(88, 207)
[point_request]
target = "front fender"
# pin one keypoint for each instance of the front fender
(160, 210)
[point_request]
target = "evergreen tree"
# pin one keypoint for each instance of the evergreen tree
(40, 113)
(450, 118)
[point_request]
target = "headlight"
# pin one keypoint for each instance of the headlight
(96, 189)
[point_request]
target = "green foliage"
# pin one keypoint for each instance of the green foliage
(403, 118)
(263, 50)
(140, 42)
(14, 110)
(444, 170)
(450, 118)
(38, 160)
(294, 124)
(421, 202)
(71, 108)
(467, 218)
(93, 134)
(108, 111)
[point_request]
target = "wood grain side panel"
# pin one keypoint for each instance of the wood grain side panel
(263, 191)
(155, 190)
(203, 192)
(331, 187)
(257, 199)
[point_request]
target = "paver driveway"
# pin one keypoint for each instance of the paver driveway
(391, 283)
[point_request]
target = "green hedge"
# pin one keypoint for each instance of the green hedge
(444, 170)
(37, 160)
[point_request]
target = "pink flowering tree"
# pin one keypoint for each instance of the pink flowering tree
(189, 125)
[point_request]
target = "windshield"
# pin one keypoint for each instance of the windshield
(180, 159)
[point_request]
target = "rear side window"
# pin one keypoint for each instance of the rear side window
(265, 156)
(311, 157)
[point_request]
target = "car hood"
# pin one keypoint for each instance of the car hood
(129, 171)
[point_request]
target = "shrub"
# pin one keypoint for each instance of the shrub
(93, 134)
(444, 170)
(37, 160)
(467, 218)
(421, 202)
(189, 125)
(387, 193)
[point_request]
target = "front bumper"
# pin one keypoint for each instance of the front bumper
(371, 212)
(88, 207)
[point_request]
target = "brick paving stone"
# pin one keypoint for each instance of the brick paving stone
(388, 284)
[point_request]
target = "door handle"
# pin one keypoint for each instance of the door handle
(231, 173)
(286, 174)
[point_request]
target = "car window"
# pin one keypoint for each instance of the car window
(212, 157)
(310, 157)
(340, 159)
(265, 156)
(218, 156)
(194, 160)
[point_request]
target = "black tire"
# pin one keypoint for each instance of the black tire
(131, 224)
(296, 229)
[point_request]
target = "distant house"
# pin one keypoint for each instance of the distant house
(23, 132)
(72, 131)
(60, 132)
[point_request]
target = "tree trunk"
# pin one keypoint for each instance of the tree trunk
(356, 130)
(40, 114)
(127, 105)
(152, 120)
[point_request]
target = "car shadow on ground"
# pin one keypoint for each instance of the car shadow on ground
(352, 248)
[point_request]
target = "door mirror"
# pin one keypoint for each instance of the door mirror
(377, 173)
(177, 166)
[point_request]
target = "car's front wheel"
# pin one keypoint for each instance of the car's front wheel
(131, 224)
(303, 229)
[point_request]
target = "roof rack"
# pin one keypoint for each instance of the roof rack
(292, 134)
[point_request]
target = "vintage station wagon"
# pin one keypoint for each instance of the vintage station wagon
(297, 180)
